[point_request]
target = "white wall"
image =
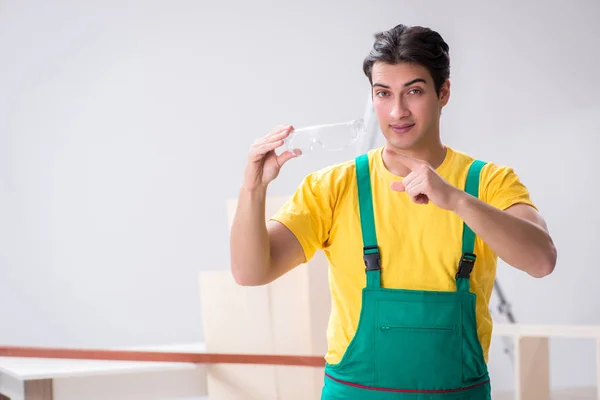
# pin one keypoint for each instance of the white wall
(124, 127)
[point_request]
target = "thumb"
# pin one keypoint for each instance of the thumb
(398, 186)
(287, 155)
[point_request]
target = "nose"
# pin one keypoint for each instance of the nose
(399, 110)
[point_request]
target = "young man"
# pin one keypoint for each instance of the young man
(412, 232)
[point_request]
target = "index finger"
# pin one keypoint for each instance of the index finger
(276, 131)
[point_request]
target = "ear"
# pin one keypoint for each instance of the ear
(445, 93)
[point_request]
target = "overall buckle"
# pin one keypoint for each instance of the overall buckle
(372, 258)
(465, 267)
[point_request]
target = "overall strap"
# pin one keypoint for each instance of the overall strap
(467, 259)
(367, 222)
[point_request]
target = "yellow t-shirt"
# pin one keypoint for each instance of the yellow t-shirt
(420, 244)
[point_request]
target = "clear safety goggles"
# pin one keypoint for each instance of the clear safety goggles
(329, 137)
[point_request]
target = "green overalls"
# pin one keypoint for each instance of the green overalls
(411, 344)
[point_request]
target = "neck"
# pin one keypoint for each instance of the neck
(434, 155)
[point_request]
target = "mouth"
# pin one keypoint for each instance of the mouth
(402, 128)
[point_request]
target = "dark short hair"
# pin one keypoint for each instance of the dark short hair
(411, 44)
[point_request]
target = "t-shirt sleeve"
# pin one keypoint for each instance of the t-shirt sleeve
(308, 214)
(503, 188)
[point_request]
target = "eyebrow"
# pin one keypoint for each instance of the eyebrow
(405, 85)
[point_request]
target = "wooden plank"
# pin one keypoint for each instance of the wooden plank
(598, 369)
(555, 331)
(161, 356)
(532, 370)
(39, 389)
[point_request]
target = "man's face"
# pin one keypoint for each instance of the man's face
(407, 105)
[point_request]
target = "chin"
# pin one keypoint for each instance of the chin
(399, 144)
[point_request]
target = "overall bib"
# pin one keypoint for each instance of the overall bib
(411, 344)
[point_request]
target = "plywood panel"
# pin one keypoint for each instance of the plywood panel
(288, 316)
(237, 320)
(533, 368)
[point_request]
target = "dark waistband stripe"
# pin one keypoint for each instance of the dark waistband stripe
(407, 390)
